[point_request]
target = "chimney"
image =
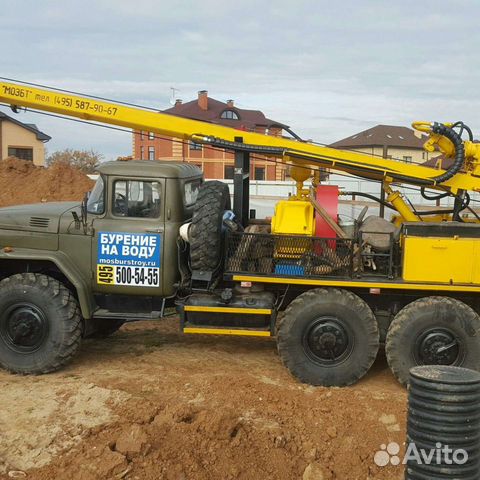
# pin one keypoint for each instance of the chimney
(230, 103)
(203, 99)
(178, 102)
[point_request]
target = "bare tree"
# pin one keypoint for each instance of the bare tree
(86, 161)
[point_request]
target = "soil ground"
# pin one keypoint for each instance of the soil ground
(22, 182)
(152, 403)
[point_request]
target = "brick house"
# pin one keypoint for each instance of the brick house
(388, 141)
(215, 163)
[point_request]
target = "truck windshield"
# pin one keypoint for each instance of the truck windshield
(96, 203)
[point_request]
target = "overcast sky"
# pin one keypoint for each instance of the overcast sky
(326, 68)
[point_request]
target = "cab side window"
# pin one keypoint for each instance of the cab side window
(133, 198)
(191, 190)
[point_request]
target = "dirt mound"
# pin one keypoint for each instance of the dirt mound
(89, 407)
(22, 182)
(197, 408)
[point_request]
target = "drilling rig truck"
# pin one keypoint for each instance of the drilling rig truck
(153, 232)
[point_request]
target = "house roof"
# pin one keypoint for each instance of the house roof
(248, 119)
(441, 161)
(43, 137)
(380, 135)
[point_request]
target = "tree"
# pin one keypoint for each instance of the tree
(86, 161)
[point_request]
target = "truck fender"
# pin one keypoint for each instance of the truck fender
(65, 266)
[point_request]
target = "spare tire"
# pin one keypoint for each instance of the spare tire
(206, 239)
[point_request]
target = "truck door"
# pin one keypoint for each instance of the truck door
(128, 241)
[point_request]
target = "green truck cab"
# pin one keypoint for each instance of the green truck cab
(71, 270)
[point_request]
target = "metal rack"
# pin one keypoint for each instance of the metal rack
(304, 256)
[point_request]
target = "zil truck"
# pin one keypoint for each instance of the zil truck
(154, 233)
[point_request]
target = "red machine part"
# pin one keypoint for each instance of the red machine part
(327, 196)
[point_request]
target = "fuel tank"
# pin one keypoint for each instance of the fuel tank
(227, 308)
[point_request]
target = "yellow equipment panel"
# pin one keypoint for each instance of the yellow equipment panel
(444, 260)
(293, 217)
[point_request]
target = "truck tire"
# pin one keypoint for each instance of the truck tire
(420, 332)
(40, 324)
(206, 239)
(328, 337)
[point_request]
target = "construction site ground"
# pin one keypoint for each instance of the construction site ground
(152, 403)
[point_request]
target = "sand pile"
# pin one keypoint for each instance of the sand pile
(22, 182)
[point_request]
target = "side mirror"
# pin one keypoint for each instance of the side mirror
(84, 208)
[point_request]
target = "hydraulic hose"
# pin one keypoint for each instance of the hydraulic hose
(456, 139)
(465, 204)
(371, 197)
(462, 128)
(421, 213)
(433, 197)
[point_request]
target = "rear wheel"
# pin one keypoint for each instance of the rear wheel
(40, 324)
(433, 331)
(328, 337)
(206, 239)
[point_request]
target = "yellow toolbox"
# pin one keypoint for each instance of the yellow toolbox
(448, 253)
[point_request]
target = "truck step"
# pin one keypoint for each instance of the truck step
(208, 330)
(104, 313)
(218, 309)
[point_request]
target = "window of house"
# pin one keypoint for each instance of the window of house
(22, 153)
(151, 136)
(195, 146)
(228, 172)
(259, 173)
(230, 115)
(132, 198)
(151, 153)
(141, 134)
(142, 153)
(407, 158)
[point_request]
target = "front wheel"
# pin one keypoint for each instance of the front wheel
(328, 337)
(40, 324)
(433, 331)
